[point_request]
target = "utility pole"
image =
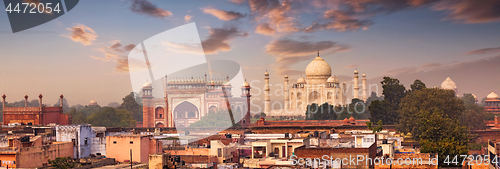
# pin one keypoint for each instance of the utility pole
(130, 158)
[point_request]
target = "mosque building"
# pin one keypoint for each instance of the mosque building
(450, 85)
(187, 100)
(318, 87)
(492, 103)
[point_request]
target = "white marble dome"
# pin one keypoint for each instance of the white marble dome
(448, 84)
(492, 95)
(147, 84)
(301, 80)
(318, 68)
(331, 80)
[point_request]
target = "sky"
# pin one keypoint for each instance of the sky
(82, 54)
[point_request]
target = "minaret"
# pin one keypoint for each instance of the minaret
(287, 106)
(147, 108)
(25, 100)
(3, 102)
(40, 100)
(267, 98)
(245, 93)
(356, 85)
(363, 93)
(61, 97)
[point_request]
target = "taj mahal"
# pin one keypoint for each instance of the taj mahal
(319, 87)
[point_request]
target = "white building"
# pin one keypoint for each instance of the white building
(450, 85)
(84, 139)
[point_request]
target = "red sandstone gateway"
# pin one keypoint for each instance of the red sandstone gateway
(35, 115)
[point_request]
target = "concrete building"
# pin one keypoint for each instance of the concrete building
(142, 146)
(279, 148)
(81, 135)
(98, 141)
(28, 152)
(40, 115)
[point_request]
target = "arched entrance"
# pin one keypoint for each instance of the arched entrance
(314, 97)
(159, 112)
(159, 125)
(186, 110)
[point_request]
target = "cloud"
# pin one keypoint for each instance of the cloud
(83, 34)
(237, 1)
(219, 37)
(290, 47)
(288, 52)
(278, 15)
(351, 66)
(341, 21)
(484, 51)
(129, 65)
(265, 29)
(223, 15)
(147, 8)
(422, 68)
(471, 11)
(183, 48)
(99, 58)
(188, 18)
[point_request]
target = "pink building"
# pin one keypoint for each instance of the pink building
(142, 146)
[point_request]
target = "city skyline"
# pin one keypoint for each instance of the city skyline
(81, 54)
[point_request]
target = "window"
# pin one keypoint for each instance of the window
(219, 152)
(131, 142)
(114, 142)
(86, 141)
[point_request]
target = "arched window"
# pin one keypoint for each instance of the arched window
(299, 96)
(329, 95)
(186, 107)
(159, 112)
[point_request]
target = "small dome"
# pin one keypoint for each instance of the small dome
(318, 68)
(356, 71)
(331, 80)
(336, 80)
(448, 84)
(352, 120)
(92, 102)
(286, 76)
(245, 84)
(267, 73)
(364, 75)
(345, 120)
(147, 84)
(227, 83)
(475, 97)
(492, 95)
(301, 80)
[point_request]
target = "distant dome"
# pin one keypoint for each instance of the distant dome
(331, 80)
(301, 80)
(448, 84)
(492, 95)
(318, 68)
(352, 120)
(147, 84)
(227, 83)
(245, 84)
(93, 102)
(345, 120)
(355, 70)
(266, 73)
(475, 97)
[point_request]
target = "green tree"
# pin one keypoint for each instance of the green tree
(442, 135)
(262, 114)
(425, 100)
(474, 115)
(386, 110)
(417, 85)
(130, 105)
(219, 118)
(111, 117)
(62, 163)
(376, 129)
(77, 116)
